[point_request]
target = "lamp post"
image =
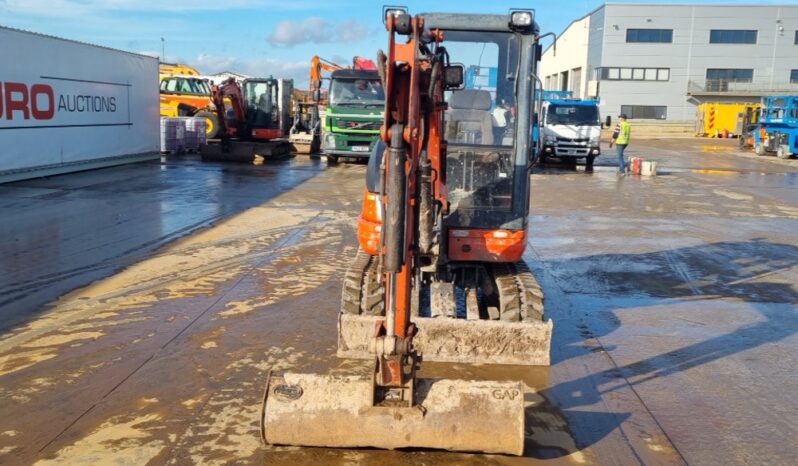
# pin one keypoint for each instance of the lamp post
(163, 49)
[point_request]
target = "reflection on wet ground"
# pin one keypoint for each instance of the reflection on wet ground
(674, 300)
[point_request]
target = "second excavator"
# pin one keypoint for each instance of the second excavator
(440, 275)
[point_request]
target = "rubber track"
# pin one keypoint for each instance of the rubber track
(362, 291)
(352, 292)
(509, 293)
(520, 294)
(531, 293)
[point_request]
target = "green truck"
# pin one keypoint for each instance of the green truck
(354, 114)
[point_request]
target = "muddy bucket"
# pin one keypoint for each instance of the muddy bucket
(444, 339)
(301, 143)
(338, 411)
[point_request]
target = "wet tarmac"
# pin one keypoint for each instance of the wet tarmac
(143, 306)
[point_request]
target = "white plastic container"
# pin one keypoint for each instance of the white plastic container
(649, 168)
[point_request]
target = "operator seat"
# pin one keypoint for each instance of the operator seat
(468, 120)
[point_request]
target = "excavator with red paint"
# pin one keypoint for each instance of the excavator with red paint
(440, 274)
(253, 119)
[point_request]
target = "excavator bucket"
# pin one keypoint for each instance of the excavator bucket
(246, 151)
(301, 143)
(457, 340)
(338, 411)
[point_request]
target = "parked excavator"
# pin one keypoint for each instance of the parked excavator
(440, 274)
(255, 124)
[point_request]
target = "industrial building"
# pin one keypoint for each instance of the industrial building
(660, 61)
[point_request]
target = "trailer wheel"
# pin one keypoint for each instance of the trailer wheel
(784, 152)
(211, 124)
(332, 159)
(759, 148)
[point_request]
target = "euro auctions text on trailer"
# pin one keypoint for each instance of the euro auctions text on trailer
(21, 101)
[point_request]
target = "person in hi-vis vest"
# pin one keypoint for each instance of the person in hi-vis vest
(621, 137)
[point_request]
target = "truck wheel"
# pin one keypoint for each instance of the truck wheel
(211, 124)
(759, 148)
(332, 159)
(542, 158)
(315, 145)
(570, 163)
(784, 152)
(589, 163)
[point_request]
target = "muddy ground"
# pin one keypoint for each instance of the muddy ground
(141, 308)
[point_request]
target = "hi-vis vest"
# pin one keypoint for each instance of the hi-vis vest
(624, 133)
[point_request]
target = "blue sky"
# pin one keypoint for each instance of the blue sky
(256, 37)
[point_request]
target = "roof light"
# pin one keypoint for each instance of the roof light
(521, 19)
(394, 11)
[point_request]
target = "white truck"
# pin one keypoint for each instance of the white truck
(570, 129)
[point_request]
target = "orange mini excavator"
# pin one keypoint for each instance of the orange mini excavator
(440, 273)
(255, 122)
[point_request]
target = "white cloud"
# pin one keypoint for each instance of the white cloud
(317, 30)
(352, 31)
(210, 64)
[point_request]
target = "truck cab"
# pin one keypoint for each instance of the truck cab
(354, 114)
(570, 129)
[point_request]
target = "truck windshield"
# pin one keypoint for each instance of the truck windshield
(357, 93)
(578, 115)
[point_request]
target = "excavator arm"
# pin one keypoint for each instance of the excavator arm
(231, 90)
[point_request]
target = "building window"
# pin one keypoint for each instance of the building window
(732, 36)
(633, 74)
(793, 76)
(576, 82)
(649, 35)
(796, 37)
(718, 79)
(645, 112)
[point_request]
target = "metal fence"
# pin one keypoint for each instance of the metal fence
(731, 87)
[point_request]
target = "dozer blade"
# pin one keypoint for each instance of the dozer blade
(246, 151)
(457, 340)
(338, 411)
